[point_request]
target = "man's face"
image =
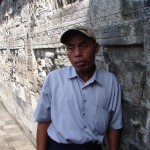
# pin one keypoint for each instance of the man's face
(81, 52)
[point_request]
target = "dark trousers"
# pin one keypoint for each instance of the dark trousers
(87, 146)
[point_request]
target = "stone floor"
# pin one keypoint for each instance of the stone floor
(11, 137)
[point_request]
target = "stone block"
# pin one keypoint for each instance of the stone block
(50, 55)
(146, 96)
(131, 4)
(125, 54)
(132, 79)
(2, 133)
(146, 3)
(62, 60)
(133, 147)
(146, 40)
(127, 21)
(137, 125)
(26, 147)
(4, 146)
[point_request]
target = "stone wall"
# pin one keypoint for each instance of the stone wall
(30, 48)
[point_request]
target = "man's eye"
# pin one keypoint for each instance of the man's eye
(70, 47)
(83, 46)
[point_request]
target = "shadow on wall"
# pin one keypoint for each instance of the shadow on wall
(119, 26)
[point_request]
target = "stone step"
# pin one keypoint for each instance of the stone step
(11, 136)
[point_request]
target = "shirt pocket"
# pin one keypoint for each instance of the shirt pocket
(102, 118)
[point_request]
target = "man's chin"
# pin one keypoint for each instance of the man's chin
(81, 69)
(84, 69)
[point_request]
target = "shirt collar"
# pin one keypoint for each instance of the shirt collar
(71, 73)
(97, 76)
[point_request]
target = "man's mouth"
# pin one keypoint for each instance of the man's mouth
(80, 63)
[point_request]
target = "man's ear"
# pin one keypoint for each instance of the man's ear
(97, 46)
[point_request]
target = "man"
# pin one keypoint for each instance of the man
(79, 105)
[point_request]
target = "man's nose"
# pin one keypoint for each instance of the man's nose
(78, 51)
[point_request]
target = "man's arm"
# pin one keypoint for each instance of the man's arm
(42, 136)
(113, 136)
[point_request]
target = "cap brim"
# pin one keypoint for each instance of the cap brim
(68, 34)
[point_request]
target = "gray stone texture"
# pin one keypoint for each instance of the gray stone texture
(11, 136)
(30, 48)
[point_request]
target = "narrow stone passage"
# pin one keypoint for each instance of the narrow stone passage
(11, 137)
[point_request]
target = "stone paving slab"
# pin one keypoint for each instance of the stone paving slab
(11, 136)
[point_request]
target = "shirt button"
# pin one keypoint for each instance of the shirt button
(84, 100)
(83, 114)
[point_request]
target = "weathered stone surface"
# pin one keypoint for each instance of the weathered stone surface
(11, 137)
(126, 54)
(30, 48)
(113, 20)
(136, 126)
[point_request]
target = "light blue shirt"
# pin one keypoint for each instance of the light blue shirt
(80, 112)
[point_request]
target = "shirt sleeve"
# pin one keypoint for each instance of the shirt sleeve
(116, 121)
(43, 109)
